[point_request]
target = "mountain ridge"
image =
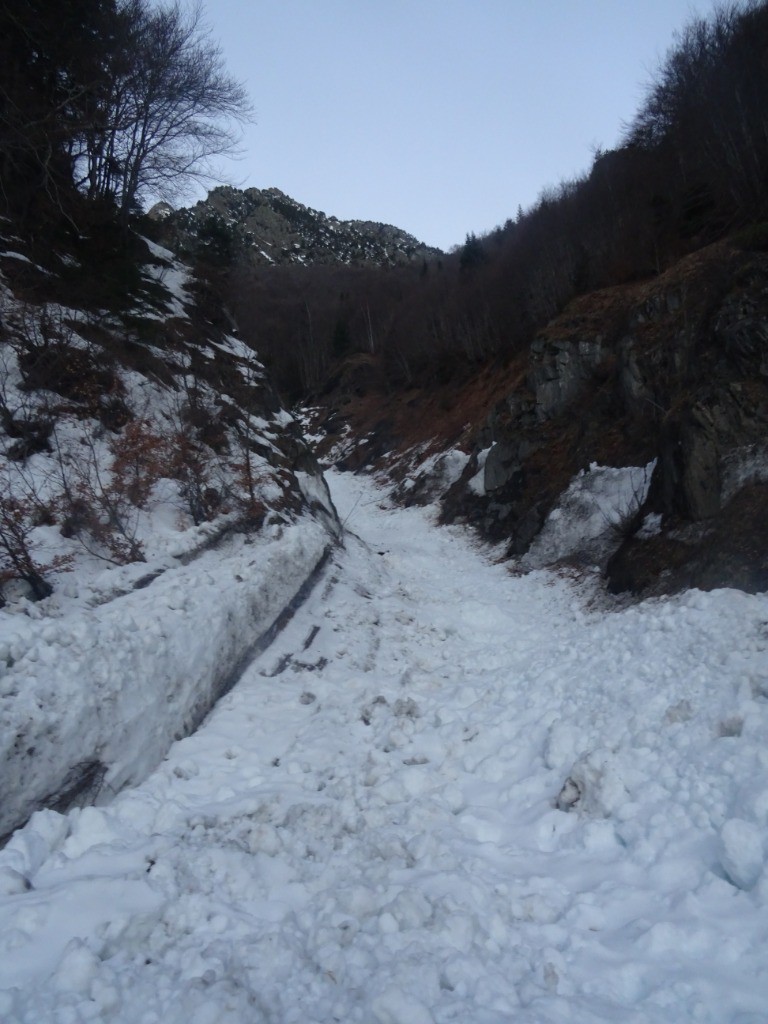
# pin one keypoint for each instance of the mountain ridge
(270, 228)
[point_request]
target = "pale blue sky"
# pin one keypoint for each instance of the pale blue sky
(439, 116)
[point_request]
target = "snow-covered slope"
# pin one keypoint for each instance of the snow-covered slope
(445, 794)
(158, 510)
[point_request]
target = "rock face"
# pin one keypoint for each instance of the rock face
(725, 411)
(559, 368)
(271, 229)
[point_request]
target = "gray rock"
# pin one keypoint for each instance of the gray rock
(558, 371)
(501, 465)
(742, 329)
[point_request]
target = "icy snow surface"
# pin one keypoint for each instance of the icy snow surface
(444, 794)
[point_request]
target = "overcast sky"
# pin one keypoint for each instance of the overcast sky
(439, 116)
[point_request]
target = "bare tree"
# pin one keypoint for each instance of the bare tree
(47, 81)
(169, 107)
(707, 104)
(114, 99)
(25, 505)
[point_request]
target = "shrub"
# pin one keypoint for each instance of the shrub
(21, 510)
(100, 502)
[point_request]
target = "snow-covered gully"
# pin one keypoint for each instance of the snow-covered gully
(444, 794)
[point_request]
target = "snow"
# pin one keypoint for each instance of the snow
(477, 484)
(116, 683)
(315, 492)
(174, 276)
(446, 793)
(12, 255)
(437, 472)
(742, 854)
(590, 514)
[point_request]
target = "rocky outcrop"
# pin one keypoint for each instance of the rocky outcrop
(674, 371)
(271, 229)
(725, 411)
(559, 369)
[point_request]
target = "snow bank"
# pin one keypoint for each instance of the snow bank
(97, 697)
(588, 518)
(430, 477)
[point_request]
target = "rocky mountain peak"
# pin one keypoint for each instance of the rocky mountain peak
(270, 228)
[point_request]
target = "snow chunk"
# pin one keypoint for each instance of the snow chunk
(397, 1007)
(433, 475)
(741, 852)
(589, 516)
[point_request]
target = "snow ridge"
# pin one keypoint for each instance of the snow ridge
(107, 692)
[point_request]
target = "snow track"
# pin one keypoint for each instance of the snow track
(444, 794)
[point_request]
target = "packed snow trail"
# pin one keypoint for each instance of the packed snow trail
(445, 794)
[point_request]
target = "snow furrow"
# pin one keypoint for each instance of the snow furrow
(112, 689)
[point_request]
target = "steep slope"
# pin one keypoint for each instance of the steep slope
(271, 229)
(159, 510)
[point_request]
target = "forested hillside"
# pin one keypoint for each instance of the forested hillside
(690, 171)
